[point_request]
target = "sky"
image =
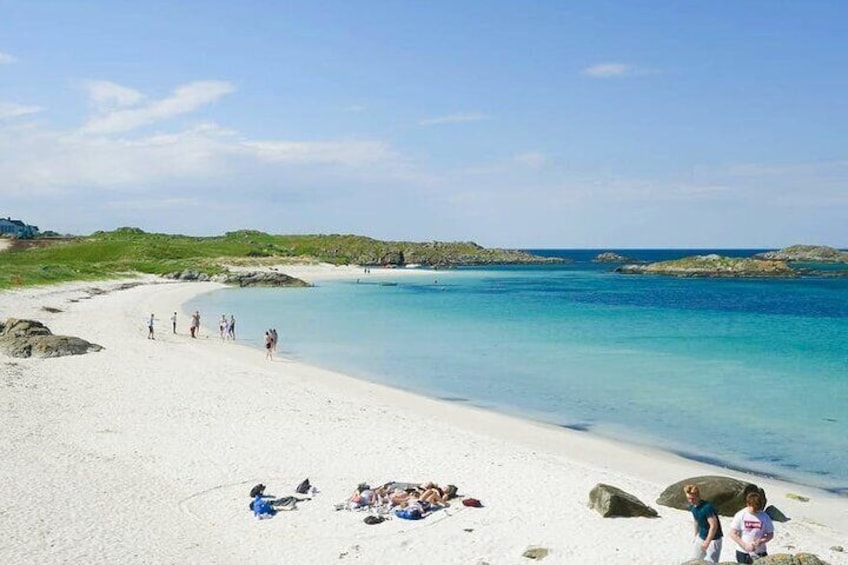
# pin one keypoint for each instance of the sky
(528, 124)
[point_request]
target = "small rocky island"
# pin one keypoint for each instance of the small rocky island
(806, 254)
(714, 266)
(612, 257)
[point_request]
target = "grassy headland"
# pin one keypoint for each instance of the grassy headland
(126, 251)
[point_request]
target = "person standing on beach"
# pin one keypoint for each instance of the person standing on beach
(751, 529)
(150, 328)
(222, 326)
(274, 339)
(269, 343)
(708, 535)
(232, 327)
(194, 328)
(174, 322)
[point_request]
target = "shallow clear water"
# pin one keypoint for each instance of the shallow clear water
(751, 374)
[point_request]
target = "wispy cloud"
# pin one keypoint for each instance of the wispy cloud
(111, 153)
(8, 110)
(6, 59)
(185, 99)
(609, 70)
(454, 119)
(106, 95)
(532, 159)
(355, 108)
(351, 153)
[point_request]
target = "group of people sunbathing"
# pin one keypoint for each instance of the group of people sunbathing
(408, 500)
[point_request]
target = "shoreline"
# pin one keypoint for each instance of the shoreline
(202, 419)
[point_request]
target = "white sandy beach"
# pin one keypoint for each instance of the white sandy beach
(145, 453)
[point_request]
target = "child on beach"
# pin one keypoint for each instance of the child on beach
(751, 529)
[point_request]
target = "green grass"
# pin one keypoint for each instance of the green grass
(125, 251)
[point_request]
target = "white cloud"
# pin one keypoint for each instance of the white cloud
(454, 119)
(351, 153)
(609, 70)
(6, 59)
(531, 159)
(355, 108)
(185, 99)
(39, 159)
(8, 110)
(106, 95)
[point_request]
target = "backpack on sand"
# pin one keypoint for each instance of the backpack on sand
(303, 487)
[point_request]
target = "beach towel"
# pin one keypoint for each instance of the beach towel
(286, 502)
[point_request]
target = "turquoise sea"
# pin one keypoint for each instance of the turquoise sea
(748, 374)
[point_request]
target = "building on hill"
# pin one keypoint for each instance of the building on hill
(17, 228)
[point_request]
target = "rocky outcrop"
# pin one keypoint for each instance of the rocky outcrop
(611, 257)
(715, 266)
(807, 254)
(788, 559)
(726, 494)
(611, 501)
(245, 278)
(259, 278)
(29, 338)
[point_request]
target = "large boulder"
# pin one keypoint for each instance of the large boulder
(30, 338)
(611, 501)
(725, 493)
(787, 559)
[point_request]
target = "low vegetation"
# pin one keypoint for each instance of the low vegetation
(127, 251)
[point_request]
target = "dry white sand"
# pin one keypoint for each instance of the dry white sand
(145, 453)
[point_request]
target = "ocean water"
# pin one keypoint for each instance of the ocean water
(749, 374)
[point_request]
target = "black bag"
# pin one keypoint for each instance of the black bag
(303, 487)
(371, 520)
(258, 490)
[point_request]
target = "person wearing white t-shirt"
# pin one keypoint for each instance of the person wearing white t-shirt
(751, 529)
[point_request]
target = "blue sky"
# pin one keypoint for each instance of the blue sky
(509, 123)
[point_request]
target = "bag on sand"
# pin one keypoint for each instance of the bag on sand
(472, 502)
(258, 490)
(409, 514)
(262, 509)
(371, 520)
(303, 487)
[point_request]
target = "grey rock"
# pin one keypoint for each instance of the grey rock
(725, 493)
(611, 501)
(537, 553)
(260, 278)
(776, 514)
(30, 338)
(611, 257)
(788, 559)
